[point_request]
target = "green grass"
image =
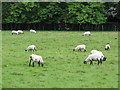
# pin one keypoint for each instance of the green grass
(63, 67)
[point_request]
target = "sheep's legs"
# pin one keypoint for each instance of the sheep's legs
(34, 50)
(101, 61)
(30, 60)
(98, 62)
(33, 64)
(91, 62)
(30, 63)
(79, 49)
(39, 64)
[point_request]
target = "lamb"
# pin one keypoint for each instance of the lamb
(31, 47)
(36, 58)
(80, 47)
(15, 32)
(32, 31)
(107, 47)
(95, 57)
(86, 33)
(20, 32)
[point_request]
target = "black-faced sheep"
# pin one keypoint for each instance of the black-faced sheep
(31, 47)
(15, 32)
(80, 47)
(95, 57)
(86, 33)
(32, 31)
(36, 58)
(20, 32)
(107, 47)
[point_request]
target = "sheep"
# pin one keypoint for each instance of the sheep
(86, 33)
(95, 57)
(80, 47)
(36, 58)
(20, 32)
(107, 47)
(31, 47)
(15, 32)
(32, 31)
(95, 51)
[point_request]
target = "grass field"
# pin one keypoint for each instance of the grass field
(63, 67)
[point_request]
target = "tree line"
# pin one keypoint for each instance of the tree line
(62, 14)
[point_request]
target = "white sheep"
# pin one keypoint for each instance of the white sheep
(80, 47)
(107, 47)
(20, 32)
(31, 47)
(36, 58)
(95, 51)
(95, 57)
(32, 31)
(15, 32)
(86, 33)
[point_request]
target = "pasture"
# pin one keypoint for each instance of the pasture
(64, 68)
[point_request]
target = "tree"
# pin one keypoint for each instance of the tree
(86, 12)
(59, 13)
(21, 12)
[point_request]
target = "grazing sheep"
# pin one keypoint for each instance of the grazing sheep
(86, 33)
(95, 57)
(95, 51)
(15, 32)
(32, 31)
(107, 47)
(80, 47)
(31, 47)
(36, 58)
(20, 32)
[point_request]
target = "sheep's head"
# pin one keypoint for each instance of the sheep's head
(42, 64)
(84, 50)
(104, 58)
(85, 62)
(107, 48)
(73, 49)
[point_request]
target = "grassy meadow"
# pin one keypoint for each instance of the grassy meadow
(64, 68)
